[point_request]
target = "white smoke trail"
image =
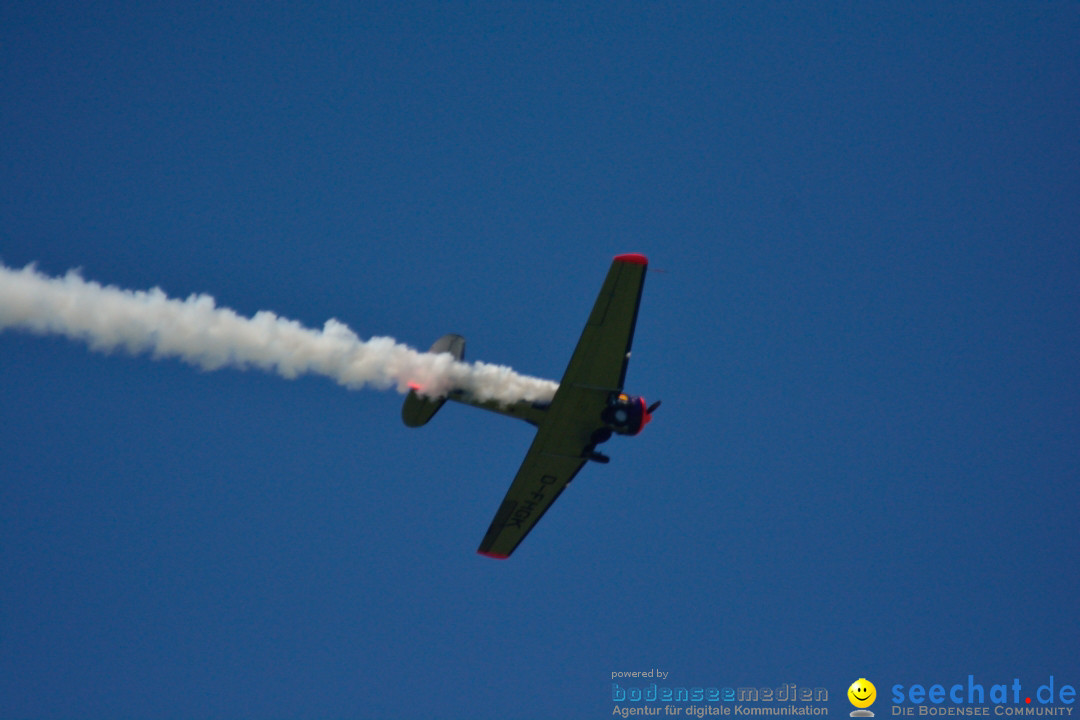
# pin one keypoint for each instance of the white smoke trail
(200, 333)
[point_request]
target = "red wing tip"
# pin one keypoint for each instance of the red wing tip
(635, 258)
(497, 556)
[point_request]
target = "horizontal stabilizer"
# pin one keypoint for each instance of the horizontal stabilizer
(419, 409)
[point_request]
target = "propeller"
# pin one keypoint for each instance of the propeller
(652, 408)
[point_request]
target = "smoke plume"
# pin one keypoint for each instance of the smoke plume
(198, 332)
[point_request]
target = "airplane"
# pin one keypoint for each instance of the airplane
(587, 409)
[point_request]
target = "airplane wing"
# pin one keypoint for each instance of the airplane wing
(541, 478)
(597, 369)
(603, 351)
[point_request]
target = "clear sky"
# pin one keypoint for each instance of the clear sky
(862, 315)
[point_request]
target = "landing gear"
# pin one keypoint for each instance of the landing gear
(601, 436)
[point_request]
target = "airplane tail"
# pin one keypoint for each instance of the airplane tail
(419, 409)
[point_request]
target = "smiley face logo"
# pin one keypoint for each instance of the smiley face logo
(862, 693)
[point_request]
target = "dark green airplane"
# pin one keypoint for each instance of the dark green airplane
(587, 408)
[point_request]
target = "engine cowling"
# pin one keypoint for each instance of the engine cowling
(626, 414)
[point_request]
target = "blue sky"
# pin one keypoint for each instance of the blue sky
(862, 316)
